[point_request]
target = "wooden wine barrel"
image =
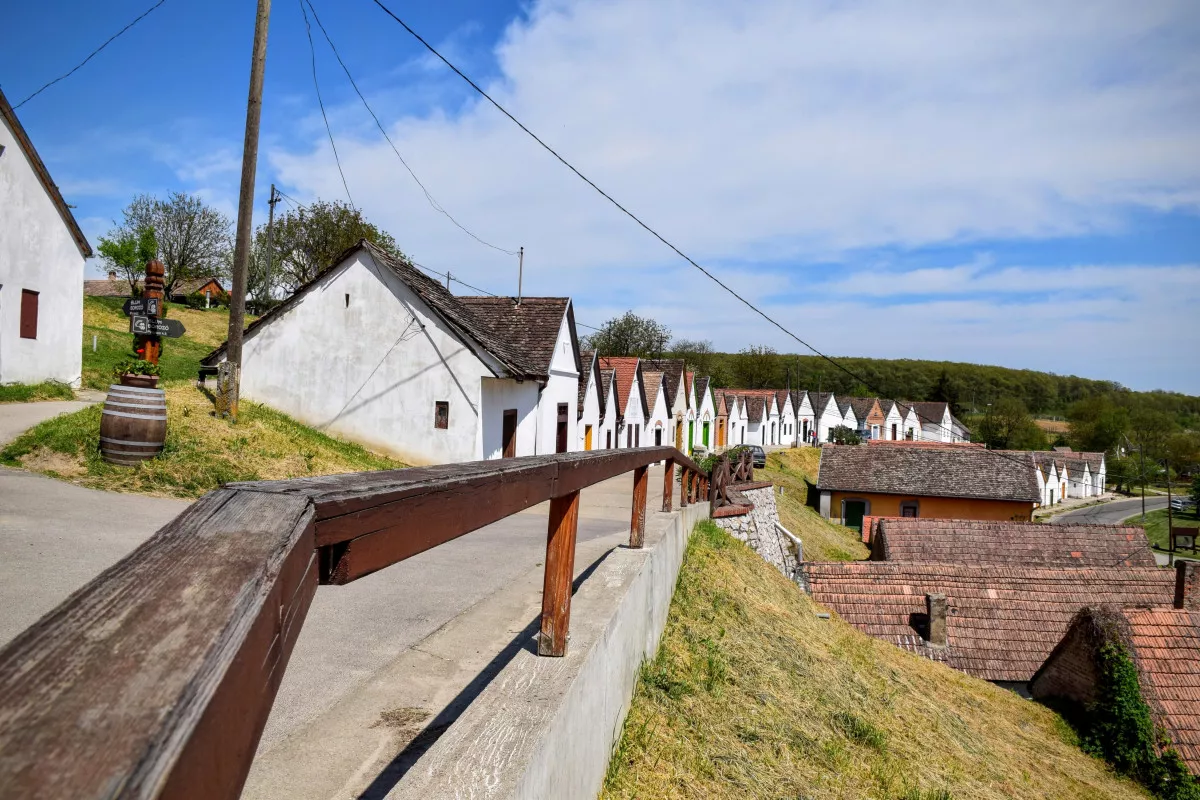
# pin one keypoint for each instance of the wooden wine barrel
(133, 425)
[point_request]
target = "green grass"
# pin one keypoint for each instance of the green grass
(823, 540)
(201, 451)
(1156, 524)
(752, 697)
(31, 392)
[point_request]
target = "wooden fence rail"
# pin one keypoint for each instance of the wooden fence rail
(156, 678)
(733, 466)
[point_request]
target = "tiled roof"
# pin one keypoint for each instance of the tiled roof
(43, 175)
(928, 471)
(756, 406)
(798, 396)
(701, 390)
(845, 407)
(587, 359)
(819, 400)
(930, 411)
(607, 376)
(1002, 620)
(653, 384)
(672, 370)
(530, 328)
(625, 369)
(690, 378)
(862, 406)
(1166, 648)
(781, 398)
(1074, 462)
(109, 288)
(961, 541)
(432, 293)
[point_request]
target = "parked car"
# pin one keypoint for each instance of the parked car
(758, 455)
(1182, 503)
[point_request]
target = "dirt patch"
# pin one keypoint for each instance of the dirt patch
(402, 720)
(45, 460)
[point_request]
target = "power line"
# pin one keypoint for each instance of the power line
(312, 51)
(633, 216)
(429, 197)
(91, 55)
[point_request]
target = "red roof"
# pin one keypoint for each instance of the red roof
(625, 368)
(1166, 645)
(962, 541)
(1002, 621)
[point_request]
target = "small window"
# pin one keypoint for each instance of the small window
(347, 300)
(441, 413)
(909, 508)
(29, 314)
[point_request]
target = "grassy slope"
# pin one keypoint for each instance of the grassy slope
(201, 451)
(823, 540)
(180, 359)
(752, 696)
(1156, 525)
(31, 392)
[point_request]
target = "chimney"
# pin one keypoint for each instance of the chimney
(935, 605)
(112, 274)
(1187, 585)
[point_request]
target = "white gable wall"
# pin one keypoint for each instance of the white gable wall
(561, 387)
(590, 415)
(659, 420)
(39, 254)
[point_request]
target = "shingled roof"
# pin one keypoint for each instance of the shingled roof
(1002, 620)
(672, 370)
(1164, 644)
(653, 384)
(587, 360)
(461, 321)
(819, 400)
(605, 388)
(969, 541)
(931, 472)
(43, 175)
(862, 406)
(530, 327)
(701, 390)
(1074, 462)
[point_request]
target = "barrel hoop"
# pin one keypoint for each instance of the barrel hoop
(143, 406)
(124, 463)
(135, 389)
(107, 440)
(132, 416)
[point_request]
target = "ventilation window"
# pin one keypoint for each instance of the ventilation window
(441, 413)
(347, 300)
(29, 314)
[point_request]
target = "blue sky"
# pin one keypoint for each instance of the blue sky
(1017, 185)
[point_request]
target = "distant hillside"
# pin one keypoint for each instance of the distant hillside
(965, 385)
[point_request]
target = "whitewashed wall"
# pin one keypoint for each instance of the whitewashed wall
(590, 415)
(499, 394)
(38, 253)
(561, 387)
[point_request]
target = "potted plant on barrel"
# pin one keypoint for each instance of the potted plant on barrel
(137, 373)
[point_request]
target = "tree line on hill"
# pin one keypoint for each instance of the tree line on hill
(998, 403)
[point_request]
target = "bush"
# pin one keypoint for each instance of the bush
(131, 366)
(844, 435)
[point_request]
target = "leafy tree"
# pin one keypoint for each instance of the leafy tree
(308, 240)
(1183, 451)
(1196, 492)
(1097, 424)
(127, 252)
(630, 335)
(1123, 473)
(1007, 425)
(946, 391)
(757, 367)
(844, 435)
(1149, 431)
(194, 239)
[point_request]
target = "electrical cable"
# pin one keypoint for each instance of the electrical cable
(429, 197)
(91, 55)
(312, 51)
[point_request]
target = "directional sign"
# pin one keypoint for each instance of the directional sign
(146, 306)
(153, 326)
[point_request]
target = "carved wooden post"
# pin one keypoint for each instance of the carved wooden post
(560, 570)
(668, 483)
(637, 523)
(150, 347)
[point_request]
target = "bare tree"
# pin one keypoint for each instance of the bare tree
(194, 239)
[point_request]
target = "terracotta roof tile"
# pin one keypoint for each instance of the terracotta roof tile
(653, 384)
(1166, 648)
(624, 369)
(672, 369)
(1002, 621)
(960, 541)
(931, 472)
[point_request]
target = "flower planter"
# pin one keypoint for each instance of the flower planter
(140, 381)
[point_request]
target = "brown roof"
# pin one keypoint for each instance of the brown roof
(1002, 620)
(193, 285)
(756, 405)
(798, 399)
(928, 471)
(625, 368)
(862, 406)
(930, 411)
(587, 359)
(43, 176)
(607, 376)
(819, 400)
(432, 293)
(1074, 462)
(672, 370)
(106, 288)
(701, 390)
(653, 383)
(962, 541)
(530, 327)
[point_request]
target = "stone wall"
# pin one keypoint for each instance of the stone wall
(757, 529)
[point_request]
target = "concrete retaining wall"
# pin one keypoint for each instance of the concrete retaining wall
(545, 727)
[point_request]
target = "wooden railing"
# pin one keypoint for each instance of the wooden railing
(732, 466)
(156, 679)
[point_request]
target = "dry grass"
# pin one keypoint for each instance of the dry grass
(207, 328)
(823, 540)
(201, 451)
(752, 696)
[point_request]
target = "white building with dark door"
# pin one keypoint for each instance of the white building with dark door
(42, 254)
(375, 351)
(706, 415)
(632, 407)
(805, 417)
(658, 422)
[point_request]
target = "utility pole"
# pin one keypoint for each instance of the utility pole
(274, 198)
(229, 381)
(1170, 520)
(520, 271)
(1142, 454)
(447, 280)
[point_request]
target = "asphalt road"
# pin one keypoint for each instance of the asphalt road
(1109, 513)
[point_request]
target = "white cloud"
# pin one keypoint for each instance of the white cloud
(776, 131)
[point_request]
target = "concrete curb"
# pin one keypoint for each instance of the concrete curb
(546, 727)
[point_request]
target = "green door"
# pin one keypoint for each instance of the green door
(853, 514)
(704, 434)
(691, 435)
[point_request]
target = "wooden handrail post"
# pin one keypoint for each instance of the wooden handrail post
(712, 494)
(637, 522)
(560, 570)
(683, 487)
(668, 483)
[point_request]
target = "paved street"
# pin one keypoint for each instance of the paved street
(16, 418)
(1109, 513)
